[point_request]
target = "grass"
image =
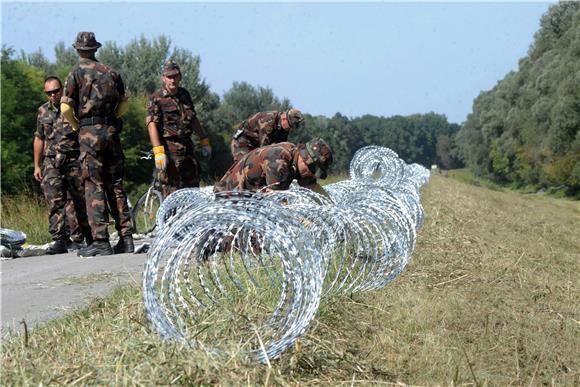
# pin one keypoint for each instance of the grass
(27, 213)
(490, 297)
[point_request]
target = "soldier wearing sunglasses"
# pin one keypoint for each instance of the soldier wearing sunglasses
(56, 145)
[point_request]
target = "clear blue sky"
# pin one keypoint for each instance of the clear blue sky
(372, 58)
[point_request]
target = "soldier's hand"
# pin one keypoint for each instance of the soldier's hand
(160, 157)
(206, 151)
(37, 174)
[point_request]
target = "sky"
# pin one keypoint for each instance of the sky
(379, 58)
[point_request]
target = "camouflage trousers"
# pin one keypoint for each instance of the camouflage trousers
(103, 165)
(63, 188)
(72, 227)
(182, 169)
(240, 146)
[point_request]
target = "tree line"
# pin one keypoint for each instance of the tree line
(524, 131)
(421, 138)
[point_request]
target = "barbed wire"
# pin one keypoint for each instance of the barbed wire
(253, 267)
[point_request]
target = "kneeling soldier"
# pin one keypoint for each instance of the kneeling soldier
(264, 128)
(273, 167)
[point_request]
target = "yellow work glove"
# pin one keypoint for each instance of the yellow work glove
(122, 108)
(160, 158)
(205, 147)
(67, 113)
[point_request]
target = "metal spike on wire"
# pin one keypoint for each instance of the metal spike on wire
(246, 272)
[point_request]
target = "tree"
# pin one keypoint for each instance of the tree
(521, 131)
(21, 98)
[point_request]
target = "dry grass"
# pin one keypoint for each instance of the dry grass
(490, 297)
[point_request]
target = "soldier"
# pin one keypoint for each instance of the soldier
(263, 129)
(273, 167)
(171, 120)
(55, 139)
(94, 99)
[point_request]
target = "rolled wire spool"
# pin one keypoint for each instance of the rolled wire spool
(376, 163)
(262, 262)
(236, 260)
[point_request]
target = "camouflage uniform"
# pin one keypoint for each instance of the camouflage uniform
(94, 90)
(273, 167)
(259, 130)
(62, 175)
(73, 228)
(176, 120)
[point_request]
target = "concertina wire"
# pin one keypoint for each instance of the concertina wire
(252, 268)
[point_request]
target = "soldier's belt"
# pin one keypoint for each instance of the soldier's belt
(89, 121)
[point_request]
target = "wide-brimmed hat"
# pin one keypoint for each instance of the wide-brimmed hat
(86, 41)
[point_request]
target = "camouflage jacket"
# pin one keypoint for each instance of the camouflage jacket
(272, 167)
(263, 129)
(174, 114)
(57, 134)
(94, 89)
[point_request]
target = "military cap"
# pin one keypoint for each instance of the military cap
(295, 117)
(86, 41)
(318, 155)
(171, 68)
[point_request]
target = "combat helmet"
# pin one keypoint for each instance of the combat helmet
(295, 118)
(318, 156)
(86, 41)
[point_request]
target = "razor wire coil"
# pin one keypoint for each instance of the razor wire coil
(262, 262)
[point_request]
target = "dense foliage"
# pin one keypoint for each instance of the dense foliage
(524, 131)
(422, 138)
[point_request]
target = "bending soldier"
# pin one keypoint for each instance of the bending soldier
(273, 167)
(60, 176)
(263, 129)
(171, 120)
(94, 99)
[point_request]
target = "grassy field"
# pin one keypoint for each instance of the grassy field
(490, 297)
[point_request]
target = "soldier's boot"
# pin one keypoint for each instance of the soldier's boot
(125, 245)
(75, 244)
(58, 247)
(96, 248)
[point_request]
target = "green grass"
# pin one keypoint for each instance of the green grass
(27, 213)
(490, 297)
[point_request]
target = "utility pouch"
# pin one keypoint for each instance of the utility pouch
(59, 160)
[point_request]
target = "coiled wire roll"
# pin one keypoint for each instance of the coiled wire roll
(254, 263)
(257, 265)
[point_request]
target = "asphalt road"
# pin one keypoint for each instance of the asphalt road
(37, 289)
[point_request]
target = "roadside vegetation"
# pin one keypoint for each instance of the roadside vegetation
(490, 296)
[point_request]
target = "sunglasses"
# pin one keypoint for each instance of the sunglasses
(52, 92)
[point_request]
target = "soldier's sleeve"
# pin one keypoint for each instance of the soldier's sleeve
(266, 124)
(71, 90)
(153, 110)
(39, 132)
(278, 171)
